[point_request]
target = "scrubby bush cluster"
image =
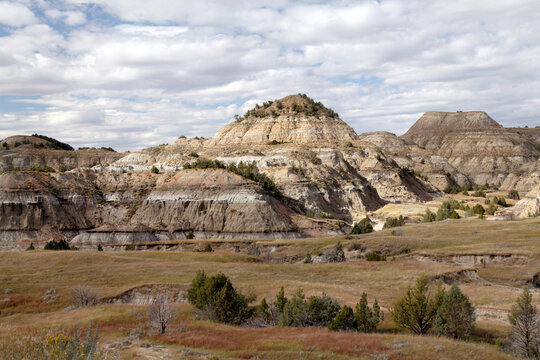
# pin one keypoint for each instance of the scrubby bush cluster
(429, 216)
(55, 143)
(424, 307)
(218, 300)
(447, 210)
(412, 172)
(362, 227)
(394, 222)
(57, 245)
(71, 347)
(44, 168)
(312, 108)
(513, 194)
(248, 171)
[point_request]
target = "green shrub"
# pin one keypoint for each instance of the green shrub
(62, 168)
(375, 256)
(99, 247)
(31, 247)
(190, 235)
(491, 209)
(193, 154)
(44, 168)
(315, 311)
(500, 201)
(455, 316)
(130, 247)
(57, 245)
(479, 193)
(367, 319)
(349, 145)
(248, 171)
(394, 222)
(344, 320)
(429, 216)
(274, 142)
(322, 310)
(208, 248)
(478, 209)
(466, 193)
(362, 227)
(154, 170)
(218, 299)
(307, 259)
(513, 194)
(417, 308)
(452, 190)
(447, 210)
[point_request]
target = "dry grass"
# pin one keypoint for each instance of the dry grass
(30, 274)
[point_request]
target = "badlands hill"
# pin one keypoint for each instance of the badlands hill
(288, 168)
(294, 119)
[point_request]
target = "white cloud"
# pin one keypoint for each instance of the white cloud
(148, 72)
(70, 18)
(15, 14)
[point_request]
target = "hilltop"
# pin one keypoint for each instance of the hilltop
(294, 119)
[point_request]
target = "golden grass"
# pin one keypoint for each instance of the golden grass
(29, 274)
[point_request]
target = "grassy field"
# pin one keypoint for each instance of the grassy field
(430, 249)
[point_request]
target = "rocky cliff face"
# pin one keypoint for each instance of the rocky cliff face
(528, 206)
(328, 178)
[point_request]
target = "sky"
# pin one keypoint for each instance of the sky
(136, 73)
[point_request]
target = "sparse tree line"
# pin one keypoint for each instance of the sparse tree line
(312, 108)
(448, 208)
(248, 171)
(218, 300)
(421, 309)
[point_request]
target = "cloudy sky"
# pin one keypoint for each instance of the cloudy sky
(137, 73)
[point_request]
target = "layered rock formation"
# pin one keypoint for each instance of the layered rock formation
(26, 152)
(294, 119)
(479, 148)
(433, 126)
(327, 178)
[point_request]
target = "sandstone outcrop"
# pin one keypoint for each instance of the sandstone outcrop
(528, 206)
(327, 178)
(433, 126)
(479, 149)
(294, 119)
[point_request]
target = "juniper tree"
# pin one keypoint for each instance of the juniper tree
(455, 317)
(344, 320)
(416, 309)
(368, 318)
